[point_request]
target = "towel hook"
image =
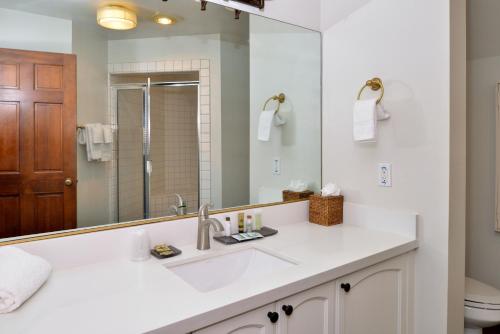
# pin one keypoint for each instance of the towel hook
(280, 98)
(375, 84)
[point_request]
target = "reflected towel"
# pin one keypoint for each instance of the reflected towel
(107, 146)
(365, 120)
(96, 133)
(21, 275)
(108, 134)
(98, 141)
(265, 125)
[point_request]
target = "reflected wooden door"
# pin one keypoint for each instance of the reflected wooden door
(37, 142)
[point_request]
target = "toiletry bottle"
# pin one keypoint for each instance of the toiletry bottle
(258, 220)
(241, 222)
(227, 226)
(249, 224)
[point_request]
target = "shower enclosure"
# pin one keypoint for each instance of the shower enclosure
(157, 146)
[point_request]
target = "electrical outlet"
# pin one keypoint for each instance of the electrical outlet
(276, 166)
(385, 174)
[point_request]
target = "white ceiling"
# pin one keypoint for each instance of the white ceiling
(190, 19)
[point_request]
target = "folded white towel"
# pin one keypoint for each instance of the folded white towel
(81, 136)
(265, 125)
(98, 140)
(107, 146)
(96, 133)
(365, 120)
(108, 134)
(21, 275)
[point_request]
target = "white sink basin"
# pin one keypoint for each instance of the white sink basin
(219, 271)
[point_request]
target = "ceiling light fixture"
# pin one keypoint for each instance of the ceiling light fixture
(164, 20)
(116, 17)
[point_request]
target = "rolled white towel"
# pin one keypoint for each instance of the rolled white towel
(21, 275)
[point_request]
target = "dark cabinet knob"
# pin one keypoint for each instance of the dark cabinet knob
(273, 316)
(346, 287)
(288, 309)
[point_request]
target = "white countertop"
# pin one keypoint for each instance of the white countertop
(126, 297)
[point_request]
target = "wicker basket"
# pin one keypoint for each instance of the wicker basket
(289, 195)
(326, 211)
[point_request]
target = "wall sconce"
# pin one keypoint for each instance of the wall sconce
(255, 3)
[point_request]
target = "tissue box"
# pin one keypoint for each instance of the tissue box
(326, 211)
(289, 195)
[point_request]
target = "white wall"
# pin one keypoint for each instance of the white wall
(235, 120)
(305, 13)
(183, 47)
(483, 243)
(363, 39)
(91, 47)
(21, 30)
(296, 72)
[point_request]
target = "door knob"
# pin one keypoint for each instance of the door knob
(346, 287)
(273, 316)
(288, 309)
(68, 182)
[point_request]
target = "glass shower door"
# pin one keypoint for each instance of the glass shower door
(174, 151)
(130, 183)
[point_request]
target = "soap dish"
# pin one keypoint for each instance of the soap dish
(174, 252)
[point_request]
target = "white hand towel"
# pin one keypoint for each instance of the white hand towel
(96, 133)
(93, 149)
(365, 120)
(108, 134)
(21, 275)
(265, 125)
(81, 136)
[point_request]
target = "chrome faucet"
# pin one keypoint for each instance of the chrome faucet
(204, 222)
(181, 208)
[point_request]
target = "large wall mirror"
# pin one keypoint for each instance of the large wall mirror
(184, 107)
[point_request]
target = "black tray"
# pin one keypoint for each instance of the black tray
(265, 231)
(176, 251)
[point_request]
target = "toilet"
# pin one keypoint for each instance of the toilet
(482, 306)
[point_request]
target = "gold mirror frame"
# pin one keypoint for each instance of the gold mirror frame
(109, 227)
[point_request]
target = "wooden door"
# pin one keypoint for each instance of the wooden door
(253, 322)
(374, 300)
(310, 311)
(37, 142)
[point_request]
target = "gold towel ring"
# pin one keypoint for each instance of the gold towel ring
(280, 98)
(375, 84)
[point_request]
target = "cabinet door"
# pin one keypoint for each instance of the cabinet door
(253, 322)
(374, 300)
(310, 311)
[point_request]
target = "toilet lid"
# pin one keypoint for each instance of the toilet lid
(479, 292)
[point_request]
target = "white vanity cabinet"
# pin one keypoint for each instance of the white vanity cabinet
(253, 322)
(374, 300)
(310, 311)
